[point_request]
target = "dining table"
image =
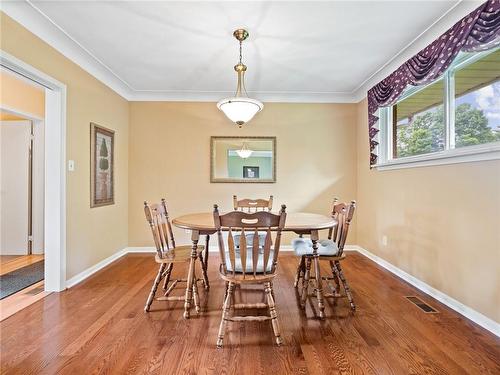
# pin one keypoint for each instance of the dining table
(202, 223)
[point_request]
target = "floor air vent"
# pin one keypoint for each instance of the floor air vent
(422, 305)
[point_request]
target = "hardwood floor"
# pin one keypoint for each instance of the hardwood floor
(9, 263)
(18, 301)
(99, 326)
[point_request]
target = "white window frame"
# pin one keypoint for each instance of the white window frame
(450, 155)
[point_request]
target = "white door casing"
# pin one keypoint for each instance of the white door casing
(55, 172)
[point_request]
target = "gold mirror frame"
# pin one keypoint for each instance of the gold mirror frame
(215, 179)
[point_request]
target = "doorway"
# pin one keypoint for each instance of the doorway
(21, 191)
(22, 113)
(54, 147)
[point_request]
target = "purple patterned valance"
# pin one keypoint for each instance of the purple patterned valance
(479, 31)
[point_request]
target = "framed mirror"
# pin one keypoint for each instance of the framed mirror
(243, 159)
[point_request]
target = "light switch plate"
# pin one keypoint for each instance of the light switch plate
(71, 165)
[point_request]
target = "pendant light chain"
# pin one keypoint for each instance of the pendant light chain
(242, 80)
(241, 49)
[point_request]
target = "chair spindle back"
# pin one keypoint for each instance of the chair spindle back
(344, 213)
(163, 236)
(252, 205)
(251, 222)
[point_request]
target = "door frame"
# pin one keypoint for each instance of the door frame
(55, 168)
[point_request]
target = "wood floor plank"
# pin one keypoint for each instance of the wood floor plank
(9, 263)
(99, 327)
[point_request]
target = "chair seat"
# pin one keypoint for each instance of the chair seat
(249, 265)
(303, 246)
(178, 254)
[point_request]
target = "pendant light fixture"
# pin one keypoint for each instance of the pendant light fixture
(244, 152)
(240, 109)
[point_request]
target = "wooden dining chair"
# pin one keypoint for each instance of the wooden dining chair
(167, 254)
(331, 251)
(249, 266)
(252, 205)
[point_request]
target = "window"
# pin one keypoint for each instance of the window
(477, 101)
(458, 114)
(418, 122)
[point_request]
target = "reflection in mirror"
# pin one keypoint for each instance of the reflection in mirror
(243, 159)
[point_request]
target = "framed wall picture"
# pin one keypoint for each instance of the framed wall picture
(102, 165)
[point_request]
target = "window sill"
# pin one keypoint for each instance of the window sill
(469, 154)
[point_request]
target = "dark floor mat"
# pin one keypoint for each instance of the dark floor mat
(21, 278)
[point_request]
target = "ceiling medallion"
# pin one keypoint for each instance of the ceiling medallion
(240, 108)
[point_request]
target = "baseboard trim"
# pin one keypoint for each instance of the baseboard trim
(215, 249)
(452, 303)
(96, 267)
(144, 249)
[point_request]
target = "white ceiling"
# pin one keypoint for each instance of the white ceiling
(302, 50)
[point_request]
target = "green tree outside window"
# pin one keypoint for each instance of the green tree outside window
(425, 133)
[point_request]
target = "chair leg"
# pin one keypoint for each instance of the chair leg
(225, 291)
(156, 282)
(300, 271)
(272, 290)
(204, 263)
(272, 313)
(305, 282)
(167, 274)
(225, 315)
(346, 285)
(196, 297)
(335, 278)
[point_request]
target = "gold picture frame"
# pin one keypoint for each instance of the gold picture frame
(215, 178)
(102, 165)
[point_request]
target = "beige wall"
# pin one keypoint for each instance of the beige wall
(17, 94)
(442, 223)
(170, 148)
(4, 116)
(92, 234)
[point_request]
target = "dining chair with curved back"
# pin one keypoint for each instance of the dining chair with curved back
(167, 253)
(252, 205)
(331, 251)
(249, 265)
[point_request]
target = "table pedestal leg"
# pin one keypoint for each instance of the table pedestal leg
(317, 273)
(195, 236)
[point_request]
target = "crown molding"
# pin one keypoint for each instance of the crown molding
(264, 96)
(29, 16)
(436, 29)
(36, 22)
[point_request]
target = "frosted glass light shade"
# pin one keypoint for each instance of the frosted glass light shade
(244, 153)
(240, 109)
